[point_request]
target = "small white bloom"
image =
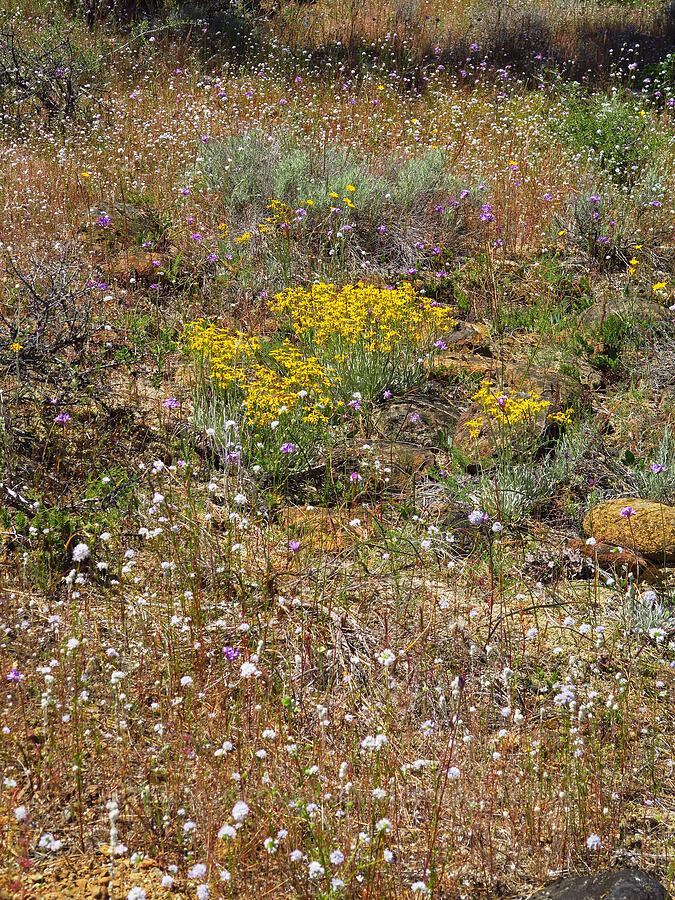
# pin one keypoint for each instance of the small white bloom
(248, 670)
(240, 810)
(80, 553)
(593, 842)
(198, 870)
(315, 870)
(387, 657)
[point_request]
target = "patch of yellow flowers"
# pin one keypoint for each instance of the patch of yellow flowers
(294, 382)
(510, 411)
(381, 318)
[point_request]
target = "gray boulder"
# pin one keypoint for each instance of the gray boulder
(619, 884)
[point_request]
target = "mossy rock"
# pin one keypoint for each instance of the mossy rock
(649, 532)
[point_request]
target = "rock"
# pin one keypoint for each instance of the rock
(608, 557)
(420, 418)
(99, 891)
(141, 265)
(405, 460)
(622, 884)
(465, 335)
(650, 532)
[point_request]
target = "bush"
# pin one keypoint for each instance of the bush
(334, 206)
(613, 131)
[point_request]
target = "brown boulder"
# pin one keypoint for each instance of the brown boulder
(608, 557)
(649, 532)
(142, 265)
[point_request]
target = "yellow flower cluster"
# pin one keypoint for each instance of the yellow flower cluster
(294, 381)
(505, 410)
(380, 317)
(280, 213)
(563, 417)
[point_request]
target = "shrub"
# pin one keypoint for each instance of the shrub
(613, 131)
(333, 207)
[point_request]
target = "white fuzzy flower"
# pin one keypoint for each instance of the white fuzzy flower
(240, 810)
(248, 670)
(315, 870)
(197, 871)
(80, 553)
(136, 893)
(593, 842)
(387, 657)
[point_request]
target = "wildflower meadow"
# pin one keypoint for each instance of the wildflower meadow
(337, 471)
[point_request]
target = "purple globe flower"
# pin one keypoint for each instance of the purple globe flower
(288, 447)
(171, 403)
(231, 653)
(627, 512)
(294, 546)
(62, 419)
(656, 468)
